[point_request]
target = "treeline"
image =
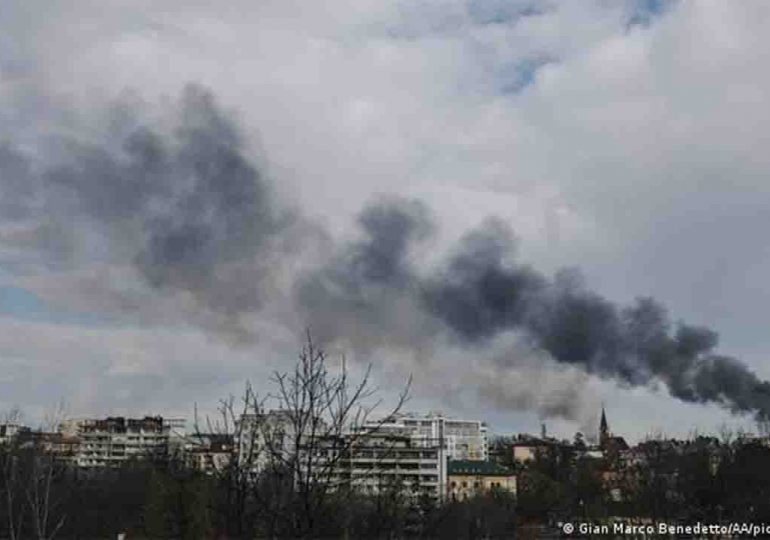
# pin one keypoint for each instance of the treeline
(703, 479)
(42, 498)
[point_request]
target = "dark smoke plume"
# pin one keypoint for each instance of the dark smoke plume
(180, 202)
(480, 295)
(366, 293)
(481, 292)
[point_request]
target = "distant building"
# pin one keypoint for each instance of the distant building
(462, 439)
(63, 447)
(115, 440)
(177, 426)
(608, 443)
(9, 431)
(383, 460)
(526, 448)
(261, 438)
(469, 478)
(209, 452)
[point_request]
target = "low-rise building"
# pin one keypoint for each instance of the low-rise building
(209, 452)
(470, 478)
(526, 448)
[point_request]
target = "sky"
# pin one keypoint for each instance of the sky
(623, 139)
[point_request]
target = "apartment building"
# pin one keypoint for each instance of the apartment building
(385, 459)
(115, 440)
(461, 439)
(261, 437)
(371, 457)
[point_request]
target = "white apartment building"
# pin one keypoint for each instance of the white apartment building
(113, 441)
(407, 450)
(262, 437)
(461, 439)
(371, 457)
(388, 459)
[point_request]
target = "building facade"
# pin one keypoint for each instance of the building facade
(467, 479)
(260, 439)
(115, 440)
(461, 439)
(210, 453)
(379, 461)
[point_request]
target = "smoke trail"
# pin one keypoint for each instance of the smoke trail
(482, 292)
(181, 203)
(366, 294)
(480, 295)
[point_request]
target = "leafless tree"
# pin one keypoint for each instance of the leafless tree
(327, 415)
(235, 477)
(292, 443)
(45, 469)
(12, 484)
(30, 474)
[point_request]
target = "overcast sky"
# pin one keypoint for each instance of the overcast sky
(628, 139)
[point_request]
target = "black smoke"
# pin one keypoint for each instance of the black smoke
(182, 203)
(480, 295)
(366, 292)
(481, 292)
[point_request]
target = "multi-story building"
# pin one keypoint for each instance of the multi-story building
(461, 439)
(113, 441)
(386, 459)
(261, 438)
(370, 457)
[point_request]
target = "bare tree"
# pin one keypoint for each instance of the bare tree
(292, 443)
(328, 416)
(31, 474)
(235, 477)
(12, 483)
(44, 470)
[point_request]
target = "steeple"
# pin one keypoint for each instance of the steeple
(604, 430)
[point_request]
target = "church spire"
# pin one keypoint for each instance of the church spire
(604, 430)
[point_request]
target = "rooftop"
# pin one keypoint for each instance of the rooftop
(485, 468)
